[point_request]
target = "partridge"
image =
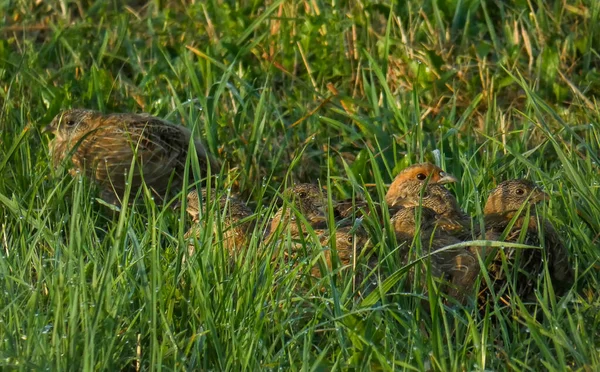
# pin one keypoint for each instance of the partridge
(349, 244)
(234, 220)
(514, 199)
(309, 201)
(433, 196)
(422, 174)
(459, 266)
(104, 147)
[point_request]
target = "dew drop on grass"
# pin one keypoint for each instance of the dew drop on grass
(47, 329)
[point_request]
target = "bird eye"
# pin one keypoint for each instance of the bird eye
(70, 123)
(421, 176)
(302, 194)
(520, 191)
(349, 239)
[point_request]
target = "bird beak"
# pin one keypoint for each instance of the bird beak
(447, 178)
(48, 129)
(540, 196)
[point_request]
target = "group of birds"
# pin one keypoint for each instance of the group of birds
(124, 151)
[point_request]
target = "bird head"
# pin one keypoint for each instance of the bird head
(309, 200)
(70, 123)
(346, 236)
(414, 178)
(425, 172)
(509, 196)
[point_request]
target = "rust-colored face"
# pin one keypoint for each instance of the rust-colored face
(423, 172)
(419, 175)
(510, 195)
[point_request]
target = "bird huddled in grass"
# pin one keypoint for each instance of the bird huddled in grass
(349, 243)
(233, 226)
(107, 147)
(510, 216)
(422, 185)
(423, 173)
(304, 200)
(457, 266)
(436, 197)
(402, 189)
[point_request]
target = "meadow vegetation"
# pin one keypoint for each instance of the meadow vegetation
(342, 93)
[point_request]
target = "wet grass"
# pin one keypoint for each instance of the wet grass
(341, 93)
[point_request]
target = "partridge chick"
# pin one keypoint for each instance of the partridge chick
(310, 202)
(234, 220)
(348, 245)
(459, 266)
(103, 146)
(423, 173)
(503, 204)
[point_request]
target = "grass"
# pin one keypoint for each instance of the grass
(342, 93)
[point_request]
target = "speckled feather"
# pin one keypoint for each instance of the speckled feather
(440, 200)
(501, 207)
(236, 222)
(458, 265)
(421, 174)
(309, 200)
(104, 145)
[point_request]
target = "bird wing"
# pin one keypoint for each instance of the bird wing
(561, 272)
(160, 149)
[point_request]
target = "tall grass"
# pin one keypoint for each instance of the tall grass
(341, 93)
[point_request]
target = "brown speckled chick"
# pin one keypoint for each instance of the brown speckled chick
(103, 146)
(423, 173)
(348, 244)
(310, 202)
(459, 266)
(234, 221)
(412, 193)
(418, 174)
(503, 204)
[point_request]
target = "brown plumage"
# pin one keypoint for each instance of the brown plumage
(103, 146)
(459, 266)
(423, 174)
(234, 220)
(414, 193)
(349, 244)
(309, 201)
(503, 204)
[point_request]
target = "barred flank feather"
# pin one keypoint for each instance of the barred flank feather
(104, 146)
